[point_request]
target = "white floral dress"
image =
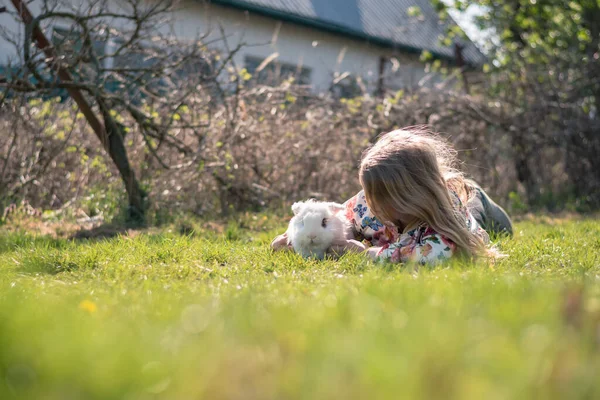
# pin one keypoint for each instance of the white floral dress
(421, 244)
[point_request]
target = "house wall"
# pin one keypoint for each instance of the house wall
(11, 27)
(324, 53)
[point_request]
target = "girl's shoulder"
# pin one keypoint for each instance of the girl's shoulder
(360, 196)
(365, 224)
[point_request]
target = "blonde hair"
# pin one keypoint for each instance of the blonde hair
(408, 172)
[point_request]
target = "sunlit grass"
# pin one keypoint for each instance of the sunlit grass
(216, 315)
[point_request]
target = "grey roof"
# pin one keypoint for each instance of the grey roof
(384, 21)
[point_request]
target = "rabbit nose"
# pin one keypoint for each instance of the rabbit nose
(312, 236)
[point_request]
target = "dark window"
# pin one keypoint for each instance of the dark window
(70, 44)
(276, 72)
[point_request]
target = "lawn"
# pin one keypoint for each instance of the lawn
(162, 315)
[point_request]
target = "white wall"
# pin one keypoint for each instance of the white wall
(296, 44)
(9, 26)
(318, 50)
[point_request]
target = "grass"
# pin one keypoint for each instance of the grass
(216, 315)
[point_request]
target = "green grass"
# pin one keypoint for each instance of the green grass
(218, 316)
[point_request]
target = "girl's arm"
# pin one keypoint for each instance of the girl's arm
(421, 245)
(350, 245)
(372, 252)
(364, 223)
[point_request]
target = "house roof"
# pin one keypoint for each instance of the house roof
(386, 22)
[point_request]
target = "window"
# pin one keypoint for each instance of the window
(132, 71)
(275, 71)
(347, 86)
(70, 43)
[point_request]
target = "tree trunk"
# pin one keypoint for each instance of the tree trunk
(110, 135)
(524, 174)
(117, 152)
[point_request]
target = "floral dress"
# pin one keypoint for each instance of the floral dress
(421, 244)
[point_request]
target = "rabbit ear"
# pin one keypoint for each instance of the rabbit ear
(336, 207)
(297, 207)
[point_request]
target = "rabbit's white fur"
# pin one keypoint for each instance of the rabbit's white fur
(309, 235)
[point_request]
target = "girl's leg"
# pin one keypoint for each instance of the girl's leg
(488, 214)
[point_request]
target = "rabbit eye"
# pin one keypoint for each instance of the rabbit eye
(324, 222)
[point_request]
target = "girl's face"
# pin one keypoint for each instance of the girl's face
(399, 219)
(402, 220)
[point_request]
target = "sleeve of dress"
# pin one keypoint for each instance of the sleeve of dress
(363, 221)
(421, 245)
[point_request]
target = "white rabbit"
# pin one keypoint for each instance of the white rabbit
(316, 226)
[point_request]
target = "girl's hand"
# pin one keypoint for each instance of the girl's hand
(350, 245)
(372, 252)
(281, 243)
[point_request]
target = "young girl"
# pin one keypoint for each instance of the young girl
(412, 206)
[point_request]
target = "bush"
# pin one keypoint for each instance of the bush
(264, 146)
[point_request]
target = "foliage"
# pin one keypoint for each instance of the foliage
(268, 146)
(198, 316)
(527, 132)
(115, 60)
(544, 57)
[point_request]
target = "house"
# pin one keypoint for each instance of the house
(320, 41)
(379, 40)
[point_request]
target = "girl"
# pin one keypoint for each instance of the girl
(412, 206)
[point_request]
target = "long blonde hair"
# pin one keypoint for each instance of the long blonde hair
(408, 172)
